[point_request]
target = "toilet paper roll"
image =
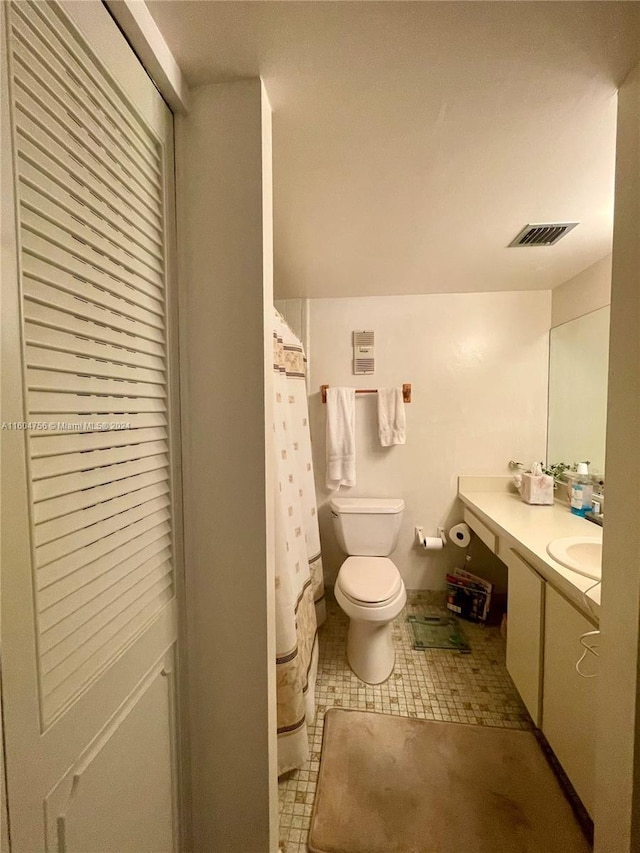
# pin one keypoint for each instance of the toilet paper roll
(460, 534)
(432, 543)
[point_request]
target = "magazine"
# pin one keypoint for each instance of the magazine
(468, 595)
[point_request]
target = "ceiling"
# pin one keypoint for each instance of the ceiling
(413, 140)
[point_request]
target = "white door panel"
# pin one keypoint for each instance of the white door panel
(91, 542)
(119, 795)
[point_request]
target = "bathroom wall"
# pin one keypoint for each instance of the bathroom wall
(478, 367)
(585, 292)
(224, 234)
(618, 735)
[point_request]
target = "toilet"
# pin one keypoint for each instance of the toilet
(369, 588)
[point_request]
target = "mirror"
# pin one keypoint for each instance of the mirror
(578, 367)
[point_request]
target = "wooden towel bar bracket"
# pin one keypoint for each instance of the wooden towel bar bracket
(406, 392)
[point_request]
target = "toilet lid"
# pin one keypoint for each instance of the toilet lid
(369, 579)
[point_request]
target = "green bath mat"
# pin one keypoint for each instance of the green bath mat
(437, 632)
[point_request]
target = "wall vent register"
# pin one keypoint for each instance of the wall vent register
(363, 351)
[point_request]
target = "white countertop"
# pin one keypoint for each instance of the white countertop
(527, 529)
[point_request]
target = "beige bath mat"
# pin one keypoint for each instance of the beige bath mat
(400, 785)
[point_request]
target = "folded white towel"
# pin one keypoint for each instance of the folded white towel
(341, 437)
(392, 422)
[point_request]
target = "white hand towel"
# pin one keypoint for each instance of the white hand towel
(392, 422)
(341, 437)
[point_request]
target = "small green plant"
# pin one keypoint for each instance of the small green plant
(559, 469)
(556, 470)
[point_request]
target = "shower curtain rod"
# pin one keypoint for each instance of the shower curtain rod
(406, 392)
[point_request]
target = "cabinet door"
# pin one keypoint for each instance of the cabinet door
(525, 607)
(569, 701)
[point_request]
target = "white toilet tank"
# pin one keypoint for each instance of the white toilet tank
(367, 527)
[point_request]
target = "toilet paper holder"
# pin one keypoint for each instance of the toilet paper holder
(431, 542)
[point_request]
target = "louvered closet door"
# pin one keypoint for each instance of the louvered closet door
(90, 460)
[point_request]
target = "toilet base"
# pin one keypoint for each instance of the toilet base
(370, 651)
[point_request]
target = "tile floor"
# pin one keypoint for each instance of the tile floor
(437, 684)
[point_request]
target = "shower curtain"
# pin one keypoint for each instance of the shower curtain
(300, 605)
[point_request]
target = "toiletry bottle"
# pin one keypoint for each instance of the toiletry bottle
(581, 491)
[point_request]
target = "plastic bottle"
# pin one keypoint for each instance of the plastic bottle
(581, 491)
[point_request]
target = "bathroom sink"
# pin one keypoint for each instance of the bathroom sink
(581, 554)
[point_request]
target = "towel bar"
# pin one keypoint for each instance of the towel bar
(406, 392)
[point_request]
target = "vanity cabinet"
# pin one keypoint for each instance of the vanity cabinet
(481, 530)
(543, 648)
(546, 618)
(525, 606)
(568, 714)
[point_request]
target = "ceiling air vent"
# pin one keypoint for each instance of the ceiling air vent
(543, 234)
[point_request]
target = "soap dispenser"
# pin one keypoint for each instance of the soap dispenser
(581, 491)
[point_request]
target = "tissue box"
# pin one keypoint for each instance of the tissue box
(537, 489)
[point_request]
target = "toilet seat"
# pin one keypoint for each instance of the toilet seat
(369, 581)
